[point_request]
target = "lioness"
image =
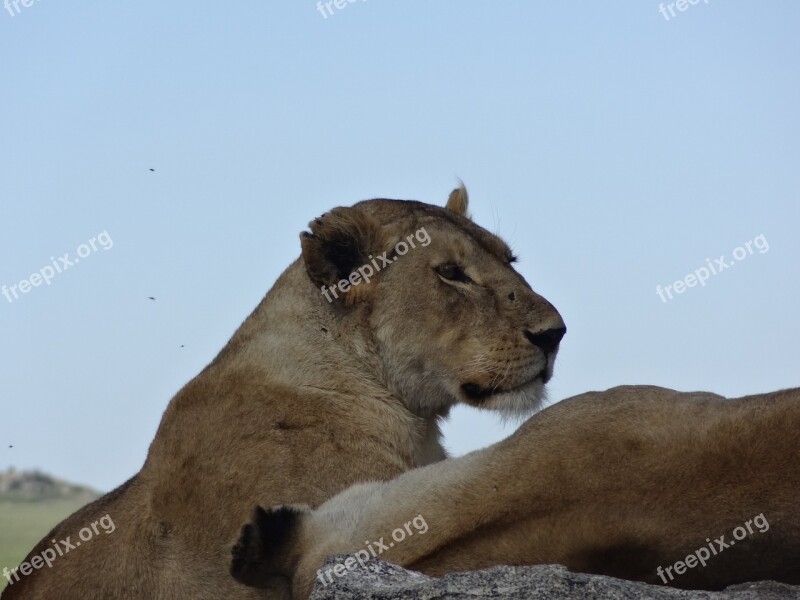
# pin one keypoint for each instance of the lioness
(340, 375)
(686, 489)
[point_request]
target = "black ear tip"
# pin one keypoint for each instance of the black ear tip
(339, 242)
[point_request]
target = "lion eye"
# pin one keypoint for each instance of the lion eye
(452, 272)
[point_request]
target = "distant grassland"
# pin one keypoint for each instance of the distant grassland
(22, 524)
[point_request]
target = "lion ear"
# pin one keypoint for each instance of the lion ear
(340, 242)
(458, 201)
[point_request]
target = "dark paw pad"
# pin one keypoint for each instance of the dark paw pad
(262, 543)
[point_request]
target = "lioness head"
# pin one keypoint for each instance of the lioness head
(450, 319)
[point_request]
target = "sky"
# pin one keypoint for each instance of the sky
(180, 148)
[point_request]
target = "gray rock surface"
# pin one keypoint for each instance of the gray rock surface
(34, 486)
(379, 580)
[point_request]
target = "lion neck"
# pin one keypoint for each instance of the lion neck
(294, 338)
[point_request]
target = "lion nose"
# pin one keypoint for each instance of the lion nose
(547, 341)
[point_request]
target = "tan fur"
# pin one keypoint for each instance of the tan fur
(459, 201)
(311, 397)
(617, 483)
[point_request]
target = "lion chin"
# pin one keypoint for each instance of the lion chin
(515, 405)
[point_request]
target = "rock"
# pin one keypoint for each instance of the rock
(34, 486)
(378, 580)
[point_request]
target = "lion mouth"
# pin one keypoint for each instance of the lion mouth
(478, 393)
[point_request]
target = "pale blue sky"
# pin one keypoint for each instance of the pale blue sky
(615, 150)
